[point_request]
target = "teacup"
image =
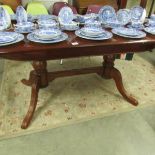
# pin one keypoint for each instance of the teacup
(47, 24)
(24, 26)
(151, 22)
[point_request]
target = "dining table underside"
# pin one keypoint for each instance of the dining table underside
(74, 46)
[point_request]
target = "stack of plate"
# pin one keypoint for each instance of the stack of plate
(8, 38)
(47, 36)
(93, 34)
(129, 32)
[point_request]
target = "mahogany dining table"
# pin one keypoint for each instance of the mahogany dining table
(73, 47)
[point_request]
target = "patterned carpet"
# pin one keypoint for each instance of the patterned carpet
(72, 99)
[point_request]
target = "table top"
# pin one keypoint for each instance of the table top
(75, 47)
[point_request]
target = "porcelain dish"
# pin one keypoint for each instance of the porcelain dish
(66, 15)
(150, 30)
(106, 35)
(124, 16)
(48, 34)
(19, 37)
(129, 33)
(21, 15)
(61, 38)
(138, 14)
(107, 13)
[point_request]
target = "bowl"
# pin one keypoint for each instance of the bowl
(47, 34)
(24, 26)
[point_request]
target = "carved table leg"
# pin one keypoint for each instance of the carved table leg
(38, 79)
(110, 72)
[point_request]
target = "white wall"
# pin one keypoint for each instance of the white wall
(47, 3)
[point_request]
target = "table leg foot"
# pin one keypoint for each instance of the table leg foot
(33, 103)
(110, 72)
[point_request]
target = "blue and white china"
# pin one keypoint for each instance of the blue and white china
(48, 34)
(150, 30)
(45, 17)
(113, 24)
(136, 25)
(138, 14)
(21, 15)
(107, 13)
(5, 20)
(150, 23)
(26, 27)
(15, 38)
(6, 39)
(32, 38)
(70, 26)
(84, 18)
(106, 35)
(152, 17)
(123, 16)
(66, 15)
(47, 23)
(129, 32)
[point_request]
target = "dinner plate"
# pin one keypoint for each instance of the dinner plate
(138, 13)
(106, 35)
(150, 30)
(92, 32)
(107, 13)
(21, 15)
(127, 33)
(32, 38)
(6, 39)
(19, 38)
(124, 16)
(66, 15)
(4, 18)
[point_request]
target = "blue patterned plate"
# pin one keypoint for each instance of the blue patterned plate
(150, 30)
(66, 15)
(21, 15)
(129, 33)
(19, 38)
(32, 38)
(138, 13)
(107, 13)
(124, 16)
(106, 35)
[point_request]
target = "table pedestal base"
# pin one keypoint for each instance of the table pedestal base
(39, 78)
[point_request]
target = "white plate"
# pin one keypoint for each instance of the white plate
(6, 39)
(139, 34)
(21, 15)
(31, 37)
(66, 15)
(124, 16)
(108, 35)
(107, 13)
(150, 30)
(20, 37)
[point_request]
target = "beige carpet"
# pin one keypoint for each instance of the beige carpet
(73, 99)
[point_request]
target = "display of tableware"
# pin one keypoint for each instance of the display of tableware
(66, 15)
(47, 34)
(123, 16)
(129, 32)
(47, 23)
(70, 26)
(138, 14)
(33, 38)
(26, 27)
(105, 35)
(5, 20)
(107, 13)
(150, 30)
(9, 38)
(21, 15)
